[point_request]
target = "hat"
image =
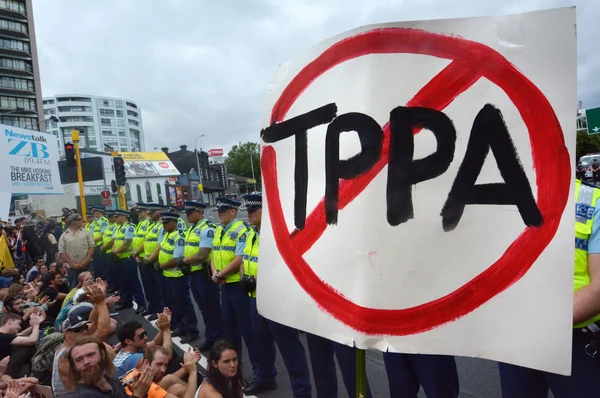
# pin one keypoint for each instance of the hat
(167, 216)
(141, 206)
(155, 206)
(122, 213)
(193, 205)
(252, 201)
(98, 208)
(90, 207)
(73, 217)
(174, 208)
(88, 214)
(110, 213)
(228, 203)
(78, 316)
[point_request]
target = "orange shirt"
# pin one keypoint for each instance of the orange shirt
(155, 390)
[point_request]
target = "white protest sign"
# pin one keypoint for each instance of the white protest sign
(418, 189)
(28, 162)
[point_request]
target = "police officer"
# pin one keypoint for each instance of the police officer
(126, 269)
(150, 245)
(170, 255)
(107, 248)
(150, 288)
(197, 255)
(99, 226)
(518, 382)
(267, 332)
(228, 252)
(181, 224)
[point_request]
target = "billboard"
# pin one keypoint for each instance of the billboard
(28, 162)
(215, 152)
(148, 164)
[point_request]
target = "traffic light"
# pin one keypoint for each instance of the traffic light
(119, 165)
(113, 187)
(70, 154)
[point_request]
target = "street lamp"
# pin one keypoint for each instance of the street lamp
(198, 166)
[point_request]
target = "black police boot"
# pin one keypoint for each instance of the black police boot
(207, 346)
(256, 387)
(188, 338)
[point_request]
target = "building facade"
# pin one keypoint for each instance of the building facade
(20, 88)
(101, 122)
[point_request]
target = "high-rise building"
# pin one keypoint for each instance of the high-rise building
(20, 89)
(101, 121)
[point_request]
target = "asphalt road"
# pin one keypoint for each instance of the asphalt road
(478, 378)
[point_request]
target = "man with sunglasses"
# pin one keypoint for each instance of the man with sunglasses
(197, 256)
(76, 248)
(134, 340)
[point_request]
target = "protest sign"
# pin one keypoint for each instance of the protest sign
(29, 162)
(418, 189)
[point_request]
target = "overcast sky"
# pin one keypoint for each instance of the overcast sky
(203, 67)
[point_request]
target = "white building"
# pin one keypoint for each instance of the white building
(101, 121)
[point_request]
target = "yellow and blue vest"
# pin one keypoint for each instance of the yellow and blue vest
(192, 241)
(224, 247)
(585, 205)
(119, 239)
(151, 240)
(140, 234)
(167, 247)
(97, 229)
(108, 235)
(251, 256)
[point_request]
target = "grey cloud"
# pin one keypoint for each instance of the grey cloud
(202, 67)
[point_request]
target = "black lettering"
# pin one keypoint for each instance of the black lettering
(298, 127)
(403, 171)
(370, 135)
(490, 131)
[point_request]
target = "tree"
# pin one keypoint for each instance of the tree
(238, 160)
(587, 143)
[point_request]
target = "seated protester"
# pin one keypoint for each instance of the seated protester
(18, 388)
(223, 376)
(93, 373)
(84, 299)
(169, 386)
(53, 287)
(84, 280)
(19, 345)
(134, 340)
(43, 270)
(83, 320)
(33, 273)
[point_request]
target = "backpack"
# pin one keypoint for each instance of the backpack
(43, 360)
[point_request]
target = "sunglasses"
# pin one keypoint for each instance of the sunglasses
(80, 329)
(142, 335)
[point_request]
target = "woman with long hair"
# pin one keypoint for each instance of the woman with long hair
(224, 375)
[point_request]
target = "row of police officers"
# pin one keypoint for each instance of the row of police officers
(219, 264)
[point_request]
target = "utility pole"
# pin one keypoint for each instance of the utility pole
(75, 136)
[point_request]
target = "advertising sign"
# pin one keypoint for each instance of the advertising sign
(215, 152)
(409, 204)
(148, 164)
(28, 162)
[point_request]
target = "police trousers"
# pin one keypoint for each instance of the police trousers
(266, 334)
(151, 289)
(519, 382)
(208, 298)
(127, 279)
(406, 373)
(237, 320)
(180, 304)
(322, 352)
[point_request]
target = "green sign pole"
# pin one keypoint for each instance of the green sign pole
(361, 373)
(592, 117)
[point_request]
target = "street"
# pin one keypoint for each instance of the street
(478, 378)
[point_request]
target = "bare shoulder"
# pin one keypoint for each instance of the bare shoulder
(208, 391)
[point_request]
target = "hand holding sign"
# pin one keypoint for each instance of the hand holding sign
(489, 219)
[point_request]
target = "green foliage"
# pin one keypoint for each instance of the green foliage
(238, 160)
(587, 143)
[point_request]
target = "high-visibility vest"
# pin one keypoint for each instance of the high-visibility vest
(140, 234)
(108, 235)
(585, 204)
(181, 225)
(151, 241)
(192, 241)
(251, 256)
(120, 239)
(167, 246)
(90, 226)
(97, 230)
(224, 247)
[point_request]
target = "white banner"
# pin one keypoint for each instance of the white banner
(418, 184)
(28, 162)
